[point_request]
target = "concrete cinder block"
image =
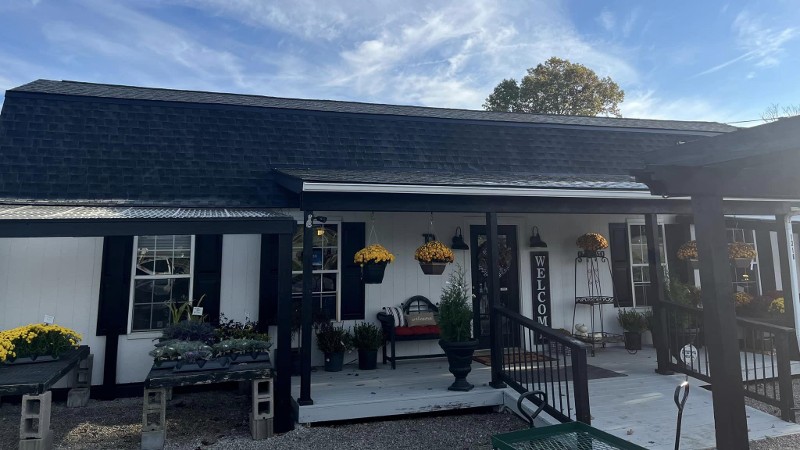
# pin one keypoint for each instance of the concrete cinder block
(78, 397)
(44, 443)
(262, 391)
(260, 428)
(154, 410)
(35, 417)
(153, 440)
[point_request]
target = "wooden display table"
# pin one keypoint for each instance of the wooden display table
(33, 381)
(159, 383)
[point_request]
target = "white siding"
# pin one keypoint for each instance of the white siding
(53, 276)
(241, 259)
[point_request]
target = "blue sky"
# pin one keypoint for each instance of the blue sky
(698, 60)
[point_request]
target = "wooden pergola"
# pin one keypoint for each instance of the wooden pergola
(758, 164)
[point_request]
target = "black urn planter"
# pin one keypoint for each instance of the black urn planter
(372, 273)
(334, 362)
(459, 357)
(633, 340)
(367, 359)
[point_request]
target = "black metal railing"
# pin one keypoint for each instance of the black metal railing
(765, 350)
(766, 364)
(537, 358)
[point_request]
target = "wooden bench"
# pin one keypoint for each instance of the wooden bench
(392, 334)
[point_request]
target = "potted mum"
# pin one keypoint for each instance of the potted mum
(36, 343)
(455, 325)
(373, 260)
(333, 341)
(433, 256)
(633, 325)
(591, 243)
(741, 253)
(688, 252)
(367, 338)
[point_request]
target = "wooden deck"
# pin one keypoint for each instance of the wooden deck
(638, 407)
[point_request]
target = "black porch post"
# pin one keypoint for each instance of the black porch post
(495, 335)
(656, 294)
(720, 323)
(787, 259)
(284, 420)
(305, 339)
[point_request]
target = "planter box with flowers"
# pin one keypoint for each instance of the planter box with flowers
(433, 257)
(36, 343)
(373, 260)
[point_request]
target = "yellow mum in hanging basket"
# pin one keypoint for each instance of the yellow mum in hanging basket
(434, 251)
(742, 298)
(741, 250)
(375, 253)
(688, 251)
(777, 306)
(592, 242)
(36, 340)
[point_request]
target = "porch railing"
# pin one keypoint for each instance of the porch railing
(537, 358)
(765, 352)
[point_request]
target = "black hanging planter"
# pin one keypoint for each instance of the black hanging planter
(372, 273)
(459, 357)
(432, 268)
(334, 362)
(367, 359)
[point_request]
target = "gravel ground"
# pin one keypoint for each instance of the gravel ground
(783, 442)
(216, 420)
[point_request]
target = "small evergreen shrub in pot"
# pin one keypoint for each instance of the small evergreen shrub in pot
(367, 338)
(455, 325)
(633, 323)
(333, 341)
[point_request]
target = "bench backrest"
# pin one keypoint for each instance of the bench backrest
(419, 304)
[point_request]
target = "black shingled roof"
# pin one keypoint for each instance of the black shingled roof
(91, 143)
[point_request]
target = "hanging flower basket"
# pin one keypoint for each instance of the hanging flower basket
(373, 260)
(695, 263)
(591, 243)
(742, 254)
(742, 263)
(433, 257)
(372, 273)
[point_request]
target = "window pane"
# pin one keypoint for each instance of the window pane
(297, 284)
(641, 295)
(329, 282)
(297, 239)
(325, 236)
(161, 316)
(141, 317)
(297, 259)
(143, 291)
(330, 259)
(638, 274)
(638, 255)
(180, 289)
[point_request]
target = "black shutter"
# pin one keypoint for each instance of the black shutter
(208, 273)
(620, 264)
(352, 290)
(115, 286)
(766, 265)
(676, 235)
(268, 284)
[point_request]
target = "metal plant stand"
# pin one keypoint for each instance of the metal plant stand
(588, 266)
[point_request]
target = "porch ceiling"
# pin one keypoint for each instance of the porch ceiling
(47, 220)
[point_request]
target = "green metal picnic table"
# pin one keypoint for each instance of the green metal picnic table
(565, 436)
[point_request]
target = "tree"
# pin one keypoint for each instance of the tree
(776, 111)
(558, 87)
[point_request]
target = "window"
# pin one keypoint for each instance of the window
(325, 266)
(640, 269)
(745, 278)
(162, 273)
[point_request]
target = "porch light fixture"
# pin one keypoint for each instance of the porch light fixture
(458, 241)
(536, 240)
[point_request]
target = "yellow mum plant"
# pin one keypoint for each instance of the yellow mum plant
(742, 298)
(433, 251)
(741, 250)
(592, 242)
(777, 306)
(36, 340)
(688, 251)
(374, 253)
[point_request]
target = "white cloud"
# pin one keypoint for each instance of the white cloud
(607, 20)
(648, 105)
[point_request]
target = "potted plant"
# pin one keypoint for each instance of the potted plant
(367, 338)
(591, 243)
(633, 324)
(688, 252)
(36, 343)
(373, 260)
(242, 350)
(333, 341)
(455, 325)
(433, 257)
(188, 331)
(741, 253)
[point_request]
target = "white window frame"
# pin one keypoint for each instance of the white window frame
(135, 277)
(631, 264)
(338, 270)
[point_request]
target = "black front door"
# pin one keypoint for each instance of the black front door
(509, 276)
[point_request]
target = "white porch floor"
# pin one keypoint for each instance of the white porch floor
(638, 407)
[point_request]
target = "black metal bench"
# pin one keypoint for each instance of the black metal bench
(392, 334)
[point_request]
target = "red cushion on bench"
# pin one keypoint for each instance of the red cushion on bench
(410, 331)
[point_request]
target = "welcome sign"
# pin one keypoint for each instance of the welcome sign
(540, 266)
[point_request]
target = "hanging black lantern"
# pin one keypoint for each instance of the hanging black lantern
(536, 240)
(458, 241)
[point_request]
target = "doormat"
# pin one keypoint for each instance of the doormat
(518, 358)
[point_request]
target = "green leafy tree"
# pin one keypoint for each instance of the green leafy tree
(558, 87)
